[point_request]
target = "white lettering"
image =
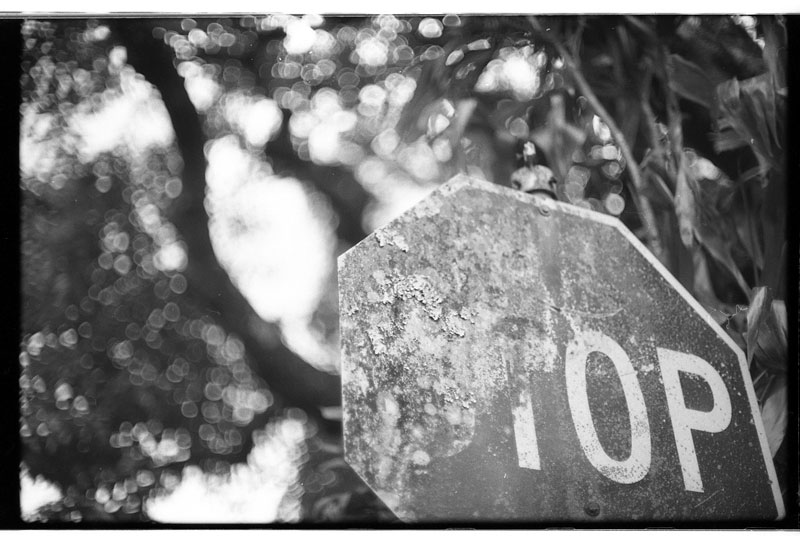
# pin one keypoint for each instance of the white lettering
(638, 463)
(684, 420)
(525, 432)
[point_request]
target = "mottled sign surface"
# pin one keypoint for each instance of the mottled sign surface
(506, 357)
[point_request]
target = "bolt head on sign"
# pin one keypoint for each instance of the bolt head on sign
(509, 357)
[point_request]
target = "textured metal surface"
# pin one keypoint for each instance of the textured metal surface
(504, 358)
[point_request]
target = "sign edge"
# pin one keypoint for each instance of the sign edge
(706, 316)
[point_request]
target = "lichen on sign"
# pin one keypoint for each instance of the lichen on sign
(456, 323)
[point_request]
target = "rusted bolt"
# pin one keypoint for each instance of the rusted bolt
(592, 509)
(544, 210)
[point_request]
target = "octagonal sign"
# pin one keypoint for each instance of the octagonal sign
(506, 357)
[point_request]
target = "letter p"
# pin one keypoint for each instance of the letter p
(684, 420)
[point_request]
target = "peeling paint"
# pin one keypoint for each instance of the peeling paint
(428, 208)
(455, 325)
(380, 277)
(376, 339)
(456, 320)
(389, 236)
(418, 287)
(420, 457)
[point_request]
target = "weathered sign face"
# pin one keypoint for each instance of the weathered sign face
(513, 358)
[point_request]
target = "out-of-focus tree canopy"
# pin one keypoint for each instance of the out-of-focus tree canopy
(187, 184)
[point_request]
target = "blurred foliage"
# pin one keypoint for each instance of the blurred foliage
(145, 351)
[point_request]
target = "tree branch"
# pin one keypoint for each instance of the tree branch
(337, 183)
(287, 374)
(637, 182)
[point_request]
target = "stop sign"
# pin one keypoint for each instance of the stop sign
(506, 357)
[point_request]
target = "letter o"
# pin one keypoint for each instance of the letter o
(638, 463)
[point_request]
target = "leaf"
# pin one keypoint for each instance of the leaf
(775, 413)
(756, 314)
(736, 326)
(714, 225)
(772, 215)
(702, 287)
(689, 81)
(714, 238)
(746, 228)
(685, 208)
(752, 111)
(771, 349)
(727, 140)
(750, 174)
(775, 47)
(766, 334)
